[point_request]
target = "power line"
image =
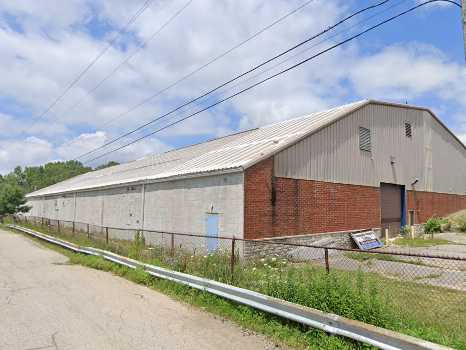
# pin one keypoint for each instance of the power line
(279, 73)
(231, 88)
(208, 63)
(129, 57)
(190, 74)
(237, 77)
(133, 18)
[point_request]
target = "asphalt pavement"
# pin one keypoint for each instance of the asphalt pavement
(46, 303)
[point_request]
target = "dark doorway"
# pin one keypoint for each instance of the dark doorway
(392, 199)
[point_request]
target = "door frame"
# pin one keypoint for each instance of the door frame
(403, 202)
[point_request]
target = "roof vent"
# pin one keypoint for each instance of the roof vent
(408, 130)
(364, 139)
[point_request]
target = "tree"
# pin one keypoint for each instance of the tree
(36, 177)
(33, 178)
(12, 199)
(107, 165)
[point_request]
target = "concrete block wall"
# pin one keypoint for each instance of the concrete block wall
(178, 206)
(122, 207)
(266, 247)
(89, 207)
(181, 206)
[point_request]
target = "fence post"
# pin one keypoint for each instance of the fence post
(232, 258)
(106, 235)
(58, 226)
(327, 264)
(73, 228)
(88, 232)
(172, 243)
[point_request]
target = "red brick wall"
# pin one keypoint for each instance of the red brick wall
(428, 204)
(258, 200)
(304, 206)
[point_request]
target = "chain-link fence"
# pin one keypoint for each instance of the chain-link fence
(419, 294)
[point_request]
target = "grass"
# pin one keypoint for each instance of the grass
(458, 220)
(368, 257)
(432, 313)
(419, 242)
(428, 276)
(281, 331)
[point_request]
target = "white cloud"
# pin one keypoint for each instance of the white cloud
(55, 44)
(462, 137)
(408, 71)
(30, 151)
(81, 144)
(89, 141)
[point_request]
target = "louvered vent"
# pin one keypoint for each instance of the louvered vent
(408, 130)
(364, 139)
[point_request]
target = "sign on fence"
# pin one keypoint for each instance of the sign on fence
(366, 240)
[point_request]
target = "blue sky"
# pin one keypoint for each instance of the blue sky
(419, 58)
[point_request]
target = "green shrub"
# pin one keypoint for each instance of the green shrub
(458, 220)
(434, 224)
(405, 230)
(462, 226)
(137, 246)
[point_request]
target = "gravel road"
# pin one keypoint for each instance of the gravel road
(47, 304)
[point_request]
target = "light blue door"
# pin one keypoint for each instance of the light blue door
(212, 231)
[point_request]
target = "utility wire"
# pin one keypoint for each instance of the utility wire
(237, 77)
(133, 18)
(190, 74)
(129, 57)
(279, 73)
(208, 63)
(300, 53)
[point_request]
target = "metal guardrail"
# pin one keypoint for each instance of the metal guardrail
(330, 323)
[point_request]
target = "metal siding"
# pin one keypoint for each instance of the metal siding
(448, 160)
(332, 154)
(230, 153)
(428, 174)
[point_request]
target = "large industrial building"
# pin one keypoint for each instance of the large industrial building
(368, 164)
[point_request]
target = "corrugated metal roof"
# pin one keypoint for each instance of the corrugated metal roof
(237, 151)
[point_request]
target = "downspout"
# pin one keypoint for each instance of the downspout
(143, 204)
(74, 211)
